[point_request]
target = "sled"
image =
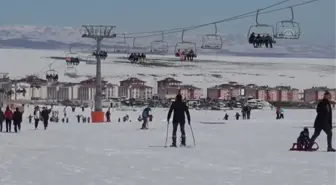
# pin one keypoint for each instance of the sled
(304, 149)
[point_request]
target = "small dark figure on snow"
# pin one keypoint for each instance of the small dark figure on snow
(145, 117)
(73, 108)
(67, 120)
(45, 115)
(226, 116)
(83, 119)
(108, 115)
(63, 120)
(248, 112)
(78, 118)
(303, 140)
(180, 109)
(17, 120)
(83, 108)
(2, 118)
(237, 116)
(139, 118)
(88, 119)
(119, 120)
(30, 117)
(323, 120)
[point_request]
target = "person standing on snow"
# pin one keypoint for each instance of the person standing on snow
(2, 118)
(180, 109)
(37, 116)
(8, 117)
(45, 115)
(17, 119)
(145, 116)
(323, 121)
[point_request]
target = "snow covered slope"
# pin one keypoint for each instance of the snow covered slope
(251, 152)
(209, 71)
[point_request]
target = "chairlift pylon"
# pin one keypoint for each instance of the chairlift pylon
(212, 41)
(71, 72)
(288, 29)
(258, 25)
(121, 46)
(185, 45)
(159, 46)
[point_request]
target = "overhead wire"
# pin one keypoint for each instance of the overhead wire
(242, 16)
(206, 24)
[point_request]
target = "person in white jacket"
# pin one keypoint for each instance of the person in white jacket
(37, 116)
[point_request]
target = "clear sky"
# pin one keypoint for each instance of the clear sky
(317, 19)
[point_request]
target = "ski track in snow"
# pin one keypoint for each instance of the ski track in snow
(246, 152)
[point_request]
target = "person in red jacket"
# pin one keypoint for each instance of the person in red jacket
(8, 117)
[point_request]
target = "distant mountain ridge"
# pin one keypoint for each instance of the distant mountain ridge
(52, 37)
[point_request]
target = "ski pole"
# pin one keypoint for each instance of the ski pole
(192, 133)
(167, 135)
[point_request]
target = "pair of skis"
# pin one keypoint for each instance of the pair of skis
(187, 146)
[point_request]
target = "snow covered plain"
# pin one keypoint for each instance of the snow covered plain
(246, 152)
(208, 71)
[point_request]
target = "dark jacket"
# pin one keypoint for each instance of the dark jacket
(179, 108)
(324, 114)
(17, 117)
(2, 116)
(45, 114)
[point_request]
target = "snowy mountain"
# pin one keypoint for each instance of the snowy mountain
(51, 37)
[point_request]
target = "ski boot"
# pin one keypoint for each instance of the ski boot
(330, 149)
(183, 141)
(174, 142)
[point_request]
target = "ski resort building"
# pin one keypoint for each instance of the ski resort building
(316, 93)
(134, 88)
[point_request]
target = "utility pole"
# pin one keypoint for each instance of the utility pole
(98, 33)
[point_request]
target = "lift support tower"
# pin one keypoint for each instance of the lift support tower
(98, 33)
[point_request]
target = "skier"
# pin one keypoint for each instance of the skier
(277, 111)
(45, 115)
(243, 111)
(323, 121)
(281, 113)
(248, 112)
(180, 109)
(145, 116)
(37, 116)
(8, 117)
(2, 118)
(17, 119)
(78, 118)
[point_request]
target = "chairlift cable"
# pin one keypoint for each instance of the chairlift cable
(242, 16)
(206, 24)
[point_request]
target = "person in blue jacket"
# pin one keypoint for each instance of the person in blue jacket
(145, 116)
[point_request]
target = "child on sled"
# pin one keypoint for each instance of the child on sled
(303, 142)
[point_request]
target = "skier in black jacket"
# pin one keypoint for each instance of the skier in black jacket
(17, 119)
(323, 120)
(179, 108)
(45, 115)
(2, 118)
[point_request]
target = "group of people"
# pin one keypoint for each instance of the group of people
(186, 55)
(10, 117)
(101, 54)
(136, 57)
(41, 115)
(259, 40)
(73, 61)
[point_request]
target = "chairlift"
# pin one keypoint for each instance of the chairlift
(71, 72)
(135, 47)
(288, 29)
(212, 41)
(184, 46)
(159, 46)
(121, 46)
(258, 26)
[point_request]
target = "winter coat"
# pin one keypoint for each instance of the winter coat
(324, 115)
(37, 114)
(179, 109)
(45, 114)
(145, 113)
(17, 117)
(8, 114)
(2, 116)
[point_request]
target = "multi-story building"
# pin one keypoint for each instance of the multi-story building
(135, 88)
(111, 91)
(316, 93)
(225, 91)
(190, 92)
(167, 87)
(251, 91)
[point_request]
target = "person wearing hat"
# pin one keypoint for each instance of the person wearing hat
(180, 109)
(323, 120)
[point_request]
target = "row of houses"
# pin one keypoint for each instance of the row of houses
(32, 87)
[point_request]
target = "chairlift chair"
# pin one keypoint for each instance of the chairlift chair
(288, 29)
(212, 41)
(185, 45)
(135, 47)
(258, 25)
(70, 72)
(159, 46)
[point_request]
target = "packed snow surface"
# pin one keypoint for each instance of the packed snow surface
(204, 72)
(246, 152)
